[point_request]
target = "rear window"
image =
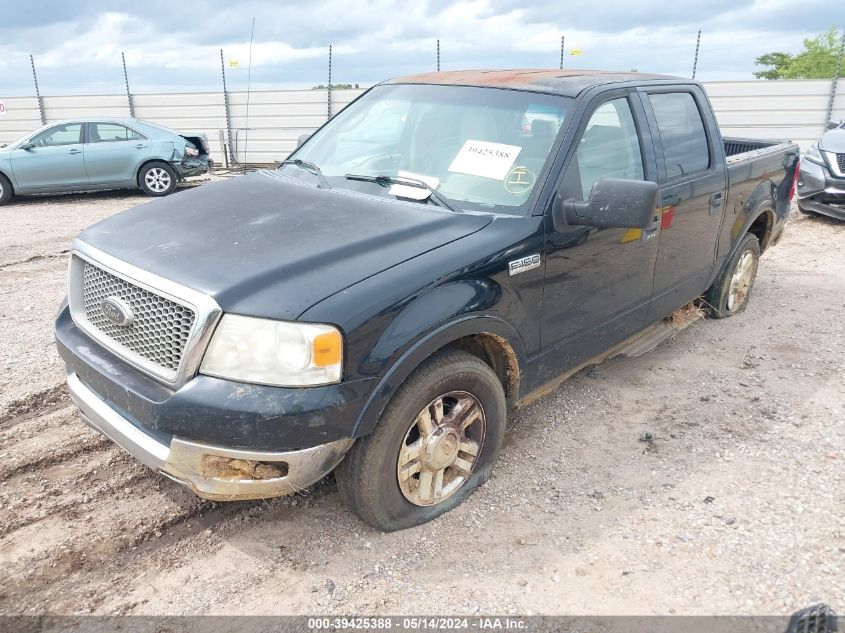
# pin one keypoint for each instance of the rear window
(682, 133)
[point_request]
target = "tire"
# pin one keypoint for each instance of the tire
(5, 190)
(157, 179)
(730, 292)
(369, 477)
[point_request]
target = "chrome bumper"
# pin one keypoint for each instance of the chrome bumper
(197, 465)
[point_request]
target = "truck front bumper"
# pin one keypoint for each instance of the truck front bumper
(212, 472)
(820, 191)
(224, 439)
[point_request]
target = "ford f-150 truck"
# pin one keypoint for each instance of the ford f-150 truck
(447, 247)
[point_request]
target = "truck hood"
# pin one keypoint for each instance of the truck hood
(265, 245)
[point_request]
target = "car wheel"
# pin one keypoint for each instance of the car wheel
(5, 190)
(436, 442)
(157, 179)
(730, 293)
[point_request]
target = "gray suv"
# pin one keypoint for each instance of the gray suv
(821, 180)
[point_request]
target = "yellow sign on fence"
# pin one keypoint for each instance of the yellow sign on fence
(234, 63)
(576, 51)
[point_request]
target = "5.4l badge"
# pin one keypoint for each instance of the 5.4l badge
(523, 264)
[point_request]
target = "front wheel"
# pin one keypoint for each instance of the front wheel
(157, 179)
(5, 190)
(730, 292)
(436, 442)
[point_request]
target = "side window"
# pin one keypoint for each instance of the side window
(67, 134)
(682, 133)
(609, 148)
(111, 132)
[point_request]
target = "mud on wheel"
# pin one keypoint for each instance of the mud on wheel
(436, 442)
(730, 292)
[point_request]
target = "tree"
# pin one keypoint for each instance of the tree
(816, 61)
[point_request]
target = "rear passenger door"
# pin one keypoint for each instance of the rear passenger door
(113, 153)
(692, 175)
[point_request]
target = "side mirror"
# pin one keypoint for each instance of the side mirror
(27, 146)
(614, 202)
(302, 138)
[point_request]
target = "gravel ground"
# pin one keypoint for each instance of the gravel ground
(736, 505)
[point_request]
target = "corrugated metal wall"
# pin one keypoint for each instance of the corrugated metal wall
(793, 110)
(754, 109)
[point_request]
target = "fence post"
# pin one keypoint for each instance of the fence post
(835, 81)
(228, 115)
(126, 80)
(561, 51)
(37, 92)
(695, 61)
(438, 55)
(329, 89)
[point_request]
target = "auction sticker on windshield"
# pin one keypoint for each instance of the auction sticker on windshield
(488, 160)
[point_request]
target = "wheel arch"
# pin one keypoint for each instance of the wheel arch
(492, 340)
(761, 226)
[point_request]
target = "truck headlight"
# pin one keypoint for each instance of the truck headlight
(814, 155)
(278, 353)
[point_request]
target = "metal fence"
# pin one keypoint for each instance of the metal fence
(794, 109)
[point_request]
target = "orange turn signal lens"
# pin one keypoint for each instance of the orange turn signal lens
(328, 349)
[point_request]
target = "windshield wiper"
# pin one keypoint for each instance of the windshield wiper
(309, 167)
(385, 181)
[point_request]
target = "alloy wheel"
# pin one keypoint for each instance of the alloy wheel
(157, 179)
(441, 448)
(741, 281)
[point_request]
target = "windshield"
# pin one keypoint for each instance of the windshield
(480, 148)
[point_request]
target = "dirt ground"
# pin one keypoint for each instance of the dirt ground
(736, 505)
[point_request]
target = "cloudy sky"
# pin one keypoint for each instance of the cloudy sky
(175, 45)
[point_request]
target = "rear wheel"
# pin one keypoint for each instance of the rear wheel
(436, 442)
(5, 190)
(157, 179)
(730, 292)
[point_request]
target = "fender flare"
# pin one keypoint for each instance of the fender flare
(423, 347)
(763, 208)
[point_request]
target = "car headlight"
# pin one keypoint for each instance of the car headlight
(814, 155)
(278, 353)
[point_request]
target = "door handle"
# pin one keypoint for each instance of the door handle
(715, 202)
(140, 146)
(75, 151)
(651, 231)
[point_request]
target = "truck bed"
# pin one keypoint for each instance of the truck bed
(739, 149)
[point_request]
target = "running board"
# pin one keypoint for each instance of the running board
(639, 344)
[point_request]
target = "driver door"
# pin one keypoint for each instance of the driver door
(599, 282)
(55, 160)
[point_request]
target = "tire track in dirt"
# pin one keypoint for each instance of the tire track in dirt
(75, 506)
(33, 405)
(58, 437)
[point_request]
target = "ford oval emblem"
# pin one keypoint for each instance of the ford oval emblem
(117, 311)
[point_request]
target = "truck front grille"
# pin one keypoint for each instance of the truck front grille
(840, 159)
(159, 329)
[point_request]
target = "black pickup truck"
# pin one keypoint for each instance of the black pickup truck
(447, 247)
